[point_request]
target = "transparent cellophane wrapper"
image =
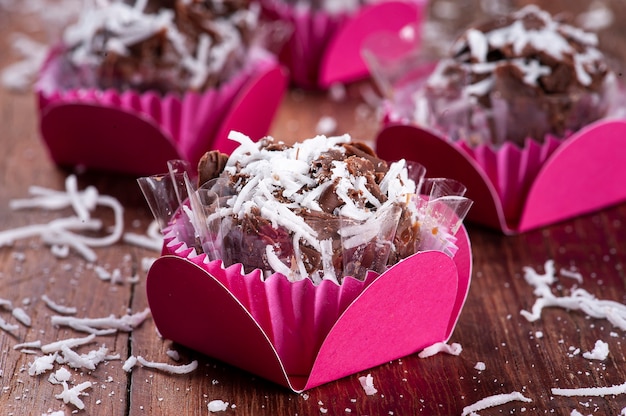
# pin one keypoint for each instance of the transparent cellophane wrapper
(510, 141)
(179, 125)
(296, 311)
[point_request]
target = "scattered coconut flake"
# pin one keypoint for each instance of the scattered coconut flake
(59, 376)
(116, 276)
(591, 391)
(337, 92)
(61, 252)
(134, 279)
(20, 75)
(32, 344)
(173, 354)
(129, 363)
(480, 366)
(598, 17)
(21, 315)
(217, 406)
(54, 413)
(29, 351)
(42, 364)
(102, 273)
(72, 395)
(147, 262)
(579, 299)
(326, 125)
(6, 304)
(63, 232)
(65, 310)
(103, 326)
(367, 382)
(495, 400)
(169, 368)
(452, 349)
(5, 326)
(88, 361)
(70, 343)
(152, 240)
(600, 351)
(572, 275)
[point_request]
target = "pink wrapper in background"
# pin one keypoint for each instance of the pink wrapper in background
(513, 184)
(518, 189)
(302, 335)
(325, 48)
(136, 133)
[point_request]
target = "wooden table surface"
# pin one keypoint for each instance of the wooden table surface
(531, 358)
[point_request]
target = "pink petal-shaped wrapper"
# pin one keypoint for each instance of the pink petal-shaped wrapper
(137, 133)
(342, 60)
(325, 48)
(516, 190)
(300, 335)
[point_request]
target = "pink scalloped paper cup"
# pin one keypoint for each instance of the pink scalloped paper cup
(325, 48)
(137, 133)
(518, 189)
(300, 335)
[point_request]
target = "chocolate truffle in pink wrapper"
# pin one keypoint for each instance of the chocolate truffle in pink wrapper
(512, 92)
(288, 281)
(172, 78)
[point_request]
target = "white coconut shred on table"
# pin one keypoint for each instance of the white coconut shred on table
(591, 391)
(69, 231)
(367, 382)
(453, 349)
(62, 353)
(66, 231)
(599, 352)
(495, 400)
(217, 406)
(578, 300)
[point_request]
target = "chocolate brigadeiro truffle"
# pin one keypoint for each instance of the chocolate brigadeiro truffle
(167, 46)
(323, 208)
(522, 75)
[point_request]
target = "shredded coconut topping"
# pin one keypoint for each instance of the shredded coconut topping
(285, 184)
(544, 35)
(180, 47)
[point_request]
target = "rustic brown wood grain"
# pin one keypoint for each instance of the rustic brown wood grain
(519, 355)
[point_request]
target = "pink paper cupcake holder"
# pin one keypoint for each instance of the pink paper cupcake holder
(300, 335)
(325, 48)
(519, 189)
(137, 133)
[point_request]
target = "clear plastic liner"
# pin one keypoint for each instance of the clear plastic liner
(342, 246)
